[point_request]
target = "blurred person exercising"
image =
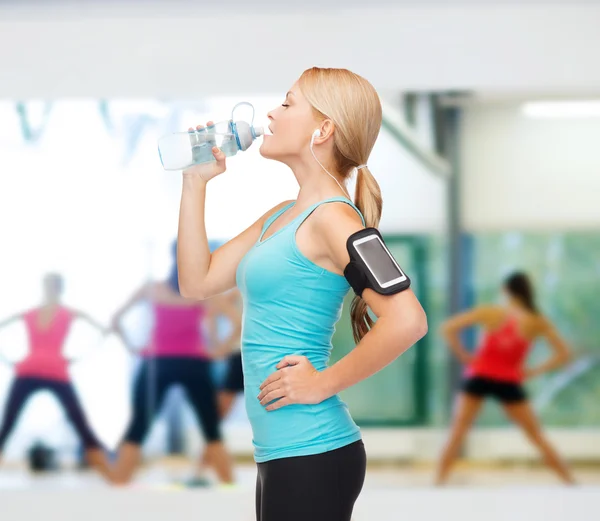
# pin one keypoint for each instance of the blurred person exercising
(227, 305)
(289, 266)
(177, 354)
(224, 306)
(230, 348)
(498, 370)
(45, 368)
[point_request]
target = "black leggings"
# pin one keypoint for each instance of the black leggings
(21, 390)
(153, 381)
(234, 378)
(322, 487)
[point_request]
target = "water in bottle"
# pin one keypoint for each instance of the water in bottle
(181, 150)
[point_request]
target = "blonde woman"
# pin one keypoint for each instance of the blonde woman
(289, 267)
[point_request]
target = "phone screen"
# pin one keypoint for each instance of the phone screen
(379, 261)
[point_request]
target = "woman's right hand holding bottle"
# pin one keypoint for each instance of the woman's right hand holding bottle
(207, 171)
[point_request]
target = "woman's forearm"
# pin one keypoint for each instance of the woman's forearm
(193, 254)
(9, 320)
(385, 342)
(118, 329)
(553, 363)
(457, 347)
(91, 321)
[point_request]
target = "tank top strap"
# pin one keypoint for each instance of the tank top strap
(273, 217)
(339, 199)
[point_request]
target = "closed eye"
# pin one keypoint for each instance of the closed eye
(284, 105)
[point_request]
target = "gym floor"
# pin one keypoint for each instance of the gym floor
(391, 492)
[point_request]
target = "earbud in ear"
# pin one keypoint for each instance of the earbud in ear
(316, 133)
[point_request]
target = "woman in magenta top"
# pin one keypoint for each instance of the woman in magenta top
(497, 369)
(176, 354)
(45, 368)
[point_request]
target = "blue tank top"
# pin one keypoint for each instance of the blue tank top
(291, 306)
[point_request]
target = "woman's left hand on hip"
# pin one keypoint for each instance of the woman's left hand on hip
(295, 381)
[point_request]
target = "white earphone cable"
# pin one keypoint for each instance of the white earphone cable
(326, 171)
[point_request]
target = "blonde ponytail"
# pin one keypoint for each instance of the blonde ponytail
(367, 197)
(352, 104)
(368, 200)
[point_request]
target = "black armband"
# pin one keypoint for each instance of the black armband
(372, 265)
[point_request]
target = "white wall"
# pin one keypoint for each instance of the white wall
(414, 200)
(521, 173)
(118, 49)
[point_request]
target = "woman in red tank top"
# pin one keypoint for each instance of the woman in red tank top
(45, 368)
(497, 368)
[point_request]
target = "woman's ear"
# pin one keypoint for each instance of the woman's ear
(325, 132)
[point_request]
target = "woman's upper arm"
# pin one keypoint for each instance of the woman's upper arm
(12, 318)
(467, 318)
(333, 225)
(335, 230)
(225, 259)
(78, 313)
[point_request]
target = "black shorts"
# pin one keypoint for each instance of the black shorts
(234, 377)
(505, 392)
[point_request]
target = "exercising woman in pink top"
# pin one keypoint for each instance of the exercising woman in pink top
(46, 369)
(176, 354)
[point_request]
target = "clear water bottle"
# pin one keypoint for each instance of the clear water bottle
(182, 150)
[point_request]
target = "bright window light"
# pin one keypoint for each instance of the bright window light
(562, 109)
